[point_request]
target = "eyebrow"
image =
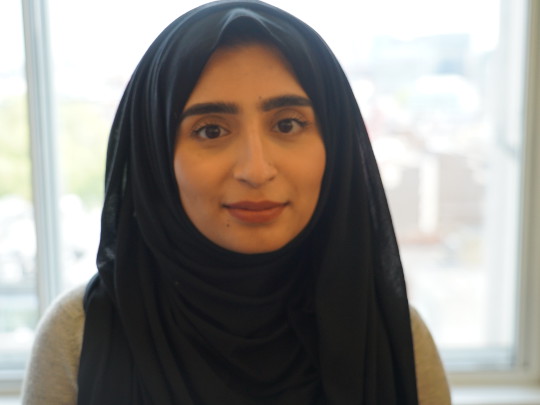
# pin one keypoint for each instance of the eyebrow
(285, 101)
(231, 108)
(210, 108)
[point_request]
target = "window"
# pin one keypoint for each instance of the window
(434, 88)
(442, 89)
(18, 303)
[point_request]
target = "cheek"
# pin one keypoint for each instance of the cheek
(188, 180)
(308, 170)
(199, 184)
(313, 171)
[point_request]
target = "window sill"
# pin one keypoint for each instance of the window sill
(9, 400)
(474, 395)
(496, 395)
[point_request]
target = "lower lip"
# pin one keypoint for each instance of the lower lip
(256, 216)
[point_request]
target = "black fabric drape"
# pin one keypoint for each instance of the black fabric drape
(172, 318)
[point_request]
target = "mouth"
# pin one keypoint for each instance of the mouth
(255, 212)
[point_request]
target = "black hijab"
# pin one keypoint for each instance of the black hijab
(171, 318)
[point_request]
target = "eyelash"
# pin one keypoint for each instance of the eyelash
(301, 123)
(198, 131)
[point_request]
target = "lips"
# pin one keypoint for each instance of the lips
(255, 212)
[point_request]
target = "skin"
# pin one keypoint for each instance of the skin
(249, 158)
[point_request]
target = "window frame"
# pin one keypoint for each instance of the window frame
(44, 172)
(43, 150)
(525, 374)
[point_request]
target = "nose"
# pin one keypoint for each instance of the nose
(254, 165)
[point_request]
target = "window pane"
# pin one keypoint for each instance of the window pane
(433, 89)
(91, 69)
(18, 303)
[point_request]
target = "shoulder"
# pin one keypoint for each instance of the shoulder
(51, 376)
(431, 378)
(63, 321)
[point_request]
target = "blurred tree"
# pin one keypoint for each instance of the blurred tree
(14, 148)
(83, 131)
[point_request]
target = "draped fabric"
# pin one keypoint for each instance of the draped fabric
(171, 318)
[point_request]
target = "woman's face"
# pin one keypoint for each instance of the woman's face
(249, 157)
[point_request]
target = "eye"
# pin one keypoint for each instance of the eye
(210, 131)
(289, 125)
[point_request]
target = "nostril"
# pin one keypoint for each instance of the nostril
(255, 172)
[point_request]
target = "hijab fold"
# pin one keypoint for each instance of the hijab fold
(171, 318)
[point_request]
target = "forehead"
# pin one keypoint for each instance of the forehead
(245, 71)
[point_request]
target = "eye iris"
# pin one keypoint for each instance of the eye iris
(285, 126)
(212, 131)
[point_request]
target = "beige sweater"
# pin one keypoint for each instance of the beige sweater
(51, 377)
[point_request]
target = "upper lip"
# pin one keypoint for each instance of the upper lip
(254, 205)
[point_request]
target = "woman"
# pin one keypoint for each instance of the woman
(247, 254)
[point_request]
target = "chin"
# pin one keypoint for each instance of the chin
(253, 246)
